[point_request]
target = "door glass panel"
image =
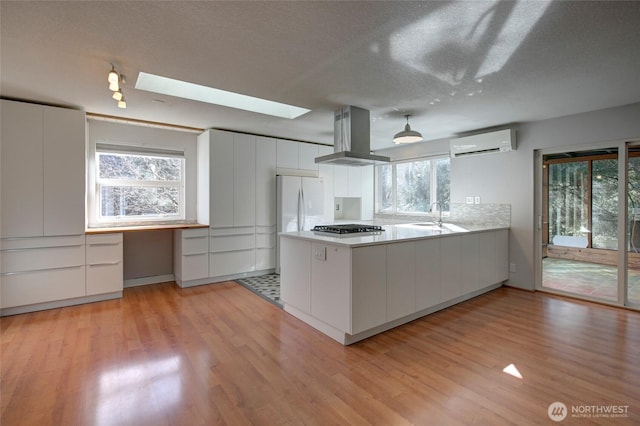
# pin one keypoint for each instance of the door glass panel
(604, 210)
(633, 227)
(581, 214)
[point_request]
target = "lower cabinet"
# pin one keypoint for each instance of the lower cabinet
(232, 251)
(191, 254)
(354, 290)
(42, 269)
(104, 264)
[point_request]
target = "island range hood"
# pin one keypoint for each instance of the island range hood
(352, 140)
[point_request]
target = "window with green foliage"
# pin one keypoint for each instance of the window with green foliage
(139, 186)
(413, 187)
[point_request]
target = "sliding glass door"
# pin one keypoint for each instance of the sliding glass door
(589, 223)
(633, 225)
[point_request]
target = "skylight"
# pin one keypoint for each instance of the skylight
(196, 92)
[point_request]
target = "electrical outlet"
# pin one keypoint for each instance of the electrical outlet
(337, 207)
(477, 200)
(469, 200)
(512, 267)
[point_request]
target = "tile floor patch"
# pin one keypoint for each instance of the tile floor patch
(265, 286)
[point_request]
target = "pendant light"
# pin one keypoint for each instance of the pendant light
(117, 95)
(407, 135)
(115, 79)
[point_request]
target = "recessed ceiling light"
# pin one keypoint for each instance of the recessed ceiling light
(197, 92)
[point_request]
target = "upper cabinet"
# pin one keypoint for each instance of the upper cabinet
(265, 181)
(42, 170)
(296, 155)
(232, 173)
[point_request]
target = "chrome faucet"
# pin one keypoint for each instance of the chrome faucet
(439, 211)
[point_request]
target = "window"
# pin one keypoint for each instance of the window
(412, 187)
(138, 184)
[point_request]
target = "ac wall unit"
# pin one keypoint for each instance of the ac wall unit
(484, 143)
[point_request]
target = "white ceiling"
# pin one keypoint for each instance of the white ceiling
(456, 66)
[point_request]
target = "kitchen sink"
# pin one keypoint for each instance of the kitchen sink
(433, 226)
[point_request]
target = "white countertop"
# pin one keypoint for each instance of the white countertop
(391, 234)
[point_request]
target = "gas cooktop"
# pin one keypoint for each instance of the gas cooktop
(351, 228)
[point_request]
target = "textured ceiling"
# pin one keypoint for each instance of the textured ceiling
(456, 66)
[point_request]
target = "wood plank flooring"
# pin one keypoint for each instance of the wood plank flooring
(219, 354)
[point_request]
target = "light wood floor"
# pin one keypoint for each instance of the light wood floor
(219, 354)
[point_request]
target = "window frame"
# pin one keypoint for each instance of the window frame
(433, 187)
(99, 183)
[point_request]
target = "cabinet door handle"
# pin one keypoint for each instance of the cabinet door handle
(106, 263)
(6, 274)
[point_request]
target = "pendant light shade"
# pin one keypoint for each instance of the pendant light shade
(117, 95)
(407, 135)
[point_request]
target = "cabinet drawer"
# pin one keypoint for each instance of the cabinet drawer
(27, 288)
(232, 242)
(233, 230)
(42, 242)
(104, 278)
(31, 259)
(105, 253)
(192, 245)
(265, 240)
(195, 266)
(100, 239)
(229, 263)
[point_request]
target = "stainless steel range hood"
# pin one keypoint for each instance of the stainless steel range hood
(352, 140)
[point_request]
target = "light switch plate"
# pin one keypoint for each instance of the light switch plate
(477, 200)
(320, 253)
(469, 200)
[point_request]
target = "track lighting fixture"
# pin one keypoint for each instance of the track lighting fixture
(407, 135)
(115, 79)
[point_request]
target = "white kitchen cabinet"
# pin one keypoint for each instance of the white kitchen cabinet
(325, 172)
(222, 164)
(401, 280)
(42, 170)
(330, 284)
(244, 180)
(265, 247)
(307, 153)
(22, 173)
(232, 179)
(231, 251)
(265, 203)
(341, 181)
(296, 268)
(368, 288)
(265, 176)
(287, 154)
(190, 255)
(104, 267)
(428, 273)
(64, 171)
(450, 258)
(352, 292)
(355, 182)
(42, 269)
(471, 262)
(296, 155)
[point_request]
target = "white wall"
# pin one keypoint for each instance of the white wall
(128, 134)
(508, 178)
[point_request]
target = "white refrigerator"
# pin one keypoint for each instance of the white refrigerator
(300, 206)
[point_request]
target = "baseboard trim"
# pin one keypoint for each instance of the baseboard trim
(135, 282)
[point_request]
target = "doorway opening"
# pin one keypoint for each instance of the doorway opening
(586, 195)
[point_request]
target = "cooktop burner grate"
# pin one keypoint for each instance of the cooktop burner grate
(350, 228)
